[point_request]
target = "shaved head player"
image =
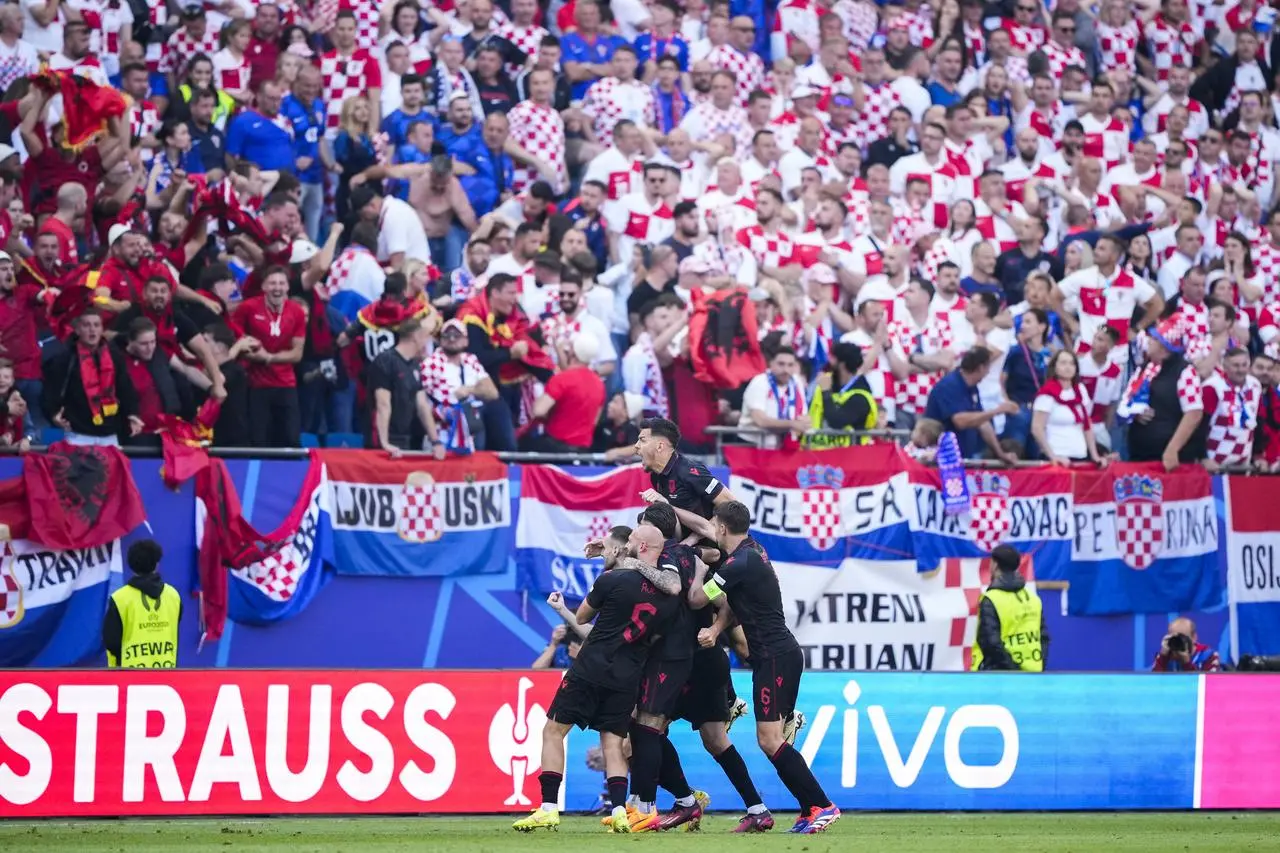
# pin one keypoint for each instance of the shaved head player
(632, 602)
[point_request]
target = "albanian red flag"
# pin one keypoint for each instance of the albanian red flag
(86, 106)
(184, 441)
(476, 312)
(80, 497)
(723, 343)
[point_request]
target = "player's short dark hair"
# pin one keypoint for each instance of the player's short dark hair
(144, 556)
(662, 428)
(661, 516)
(621, 533)
(734, 515)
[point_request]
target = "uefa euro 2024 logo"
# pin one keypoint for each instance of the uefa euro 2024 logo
(515, 741)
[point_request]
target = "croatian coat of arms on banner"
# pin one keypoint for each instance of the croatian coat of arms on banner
(989, 519)
(420, 511)
(1139, 519)
(820, 504)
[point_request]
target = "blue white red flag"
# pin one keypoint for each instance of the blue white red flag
(560, 512)
(1030, 510)
(1146, 541)
(824, 507)
(1253, 565)
(418, 516)
(51, 602)
(284, 581)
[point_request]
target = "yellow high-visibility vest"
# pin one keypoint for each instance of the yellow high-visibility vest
(1019, 614)
(149, 635)
(818, 442)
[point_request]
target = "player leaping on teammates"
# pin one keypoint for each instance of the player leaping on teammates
(631, 601)
(684, 681)
(750, 584)
(690, 489)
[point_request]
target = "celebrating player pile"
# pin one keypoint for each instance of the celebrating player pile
(659, 613)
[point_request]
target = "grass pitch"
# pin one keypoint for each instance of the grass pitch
(917, 833)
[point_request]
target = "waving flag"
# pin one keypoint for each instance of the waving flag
(1146, 541)
(66, 513)
(86, 106)
(723, 345)
(559, 512)
(823, 507)
(416, 516)
(1253, 583)
(1030, 510)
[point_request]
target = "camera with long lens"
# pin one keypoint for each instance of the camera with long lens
(1179, 644)
(1259, 663)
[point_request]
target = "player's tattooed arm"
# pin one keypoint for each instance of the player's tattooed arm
(665, 580)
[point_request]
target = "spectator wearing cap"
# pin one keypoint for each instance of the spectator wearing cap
(461, 391)
(1166, 402)
(87, 389)
(399, 399)
(259, 136)
(306, 113)
(571, 403)
(400, 232)
(619, 428)
(688, 230)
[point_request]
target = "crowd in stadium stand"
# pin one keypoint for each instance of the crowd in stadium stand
(508, 224)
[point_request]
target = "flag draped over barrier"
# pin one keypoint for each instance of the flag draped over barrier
(559, 512)
(876, 571)
(1253, 570)
(64, 517)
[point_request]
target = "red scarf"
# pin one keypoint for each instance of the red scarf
(166, 329)
(516, 327)
(98, 375)
(1072, 398)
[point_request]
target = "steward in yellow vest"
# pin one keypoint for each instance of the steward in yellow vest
(140, 629)
(843, 400)
(1011, 629)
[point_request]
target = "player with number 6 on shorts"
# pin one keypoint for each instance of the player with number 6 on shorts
(750, 583)
(632, 602)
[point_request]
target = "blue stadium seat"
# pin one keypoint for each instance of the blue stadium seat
(51, 434)
(309, 440)
(344, 439)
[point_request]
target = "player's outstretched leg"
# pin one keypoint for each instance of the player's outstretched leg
(716, 741)
(646, 761)
(547, 815)
(687, 809)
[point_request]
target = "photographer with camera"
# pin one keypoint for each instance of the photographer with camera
(1180, 651)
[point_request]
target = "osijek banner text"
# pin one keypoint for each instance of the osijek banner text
(1253, 564)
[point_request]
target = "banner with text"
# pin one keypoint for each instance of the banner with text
(886, 615)
(270, 742)
(559, 512)
(1253, 571)
(408, 516)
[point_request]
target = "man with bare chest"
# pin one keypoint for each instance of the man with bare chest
(445, 212)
